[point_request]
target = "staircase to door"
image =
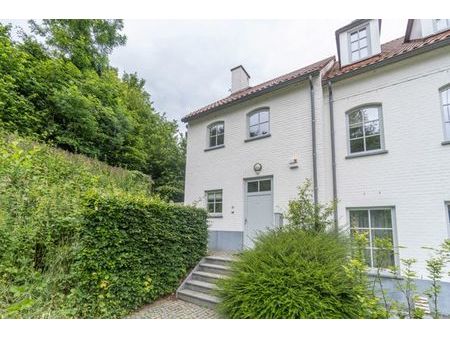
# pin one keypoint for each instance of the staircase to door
(200, 286)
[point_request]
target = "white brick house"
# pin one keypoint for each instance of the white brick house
(370, 129)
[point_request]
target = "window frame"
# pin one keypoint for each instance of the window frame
(213, 191)
(365, 26)
(393, 229)
(252, 113)
(447, 216)
(382, 148)
(208, 135)
(435, 28)
(441, 104)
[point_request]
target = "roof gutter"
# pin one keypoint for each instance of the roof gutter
(313, 133)
(251, 96)
(393, 59)
(333, 154)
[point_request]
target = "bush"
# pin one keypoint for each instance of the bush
(48, 230)
(134, 250)
(293, 273)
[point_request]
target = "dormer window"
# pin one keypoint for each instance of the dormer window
(357, 41)
(359, 45)
(441, 25)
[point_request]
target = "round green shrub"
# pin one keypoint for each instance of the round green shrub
(293, 273)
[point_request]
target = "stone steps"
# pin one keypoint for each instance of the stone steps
(200, 286)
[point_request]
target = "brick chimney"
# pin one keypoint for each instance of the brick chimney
(239, 79)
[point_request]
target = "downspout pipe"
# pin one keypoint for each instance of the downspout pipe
(314, 146)
(333, 153)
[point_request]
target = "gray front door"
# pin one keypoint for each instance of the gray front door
(259, 208)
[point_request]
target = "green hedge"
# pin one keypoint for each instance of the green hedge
(134, 250)
(50, 232)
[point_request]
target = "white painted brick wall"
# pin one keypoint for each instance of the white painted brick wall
(415, 175)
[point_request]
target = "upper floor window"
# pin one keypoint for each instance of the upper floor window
(214, 202)
(258, 123)
(365, 129)
(359, 44)
(377, 225)
(445, 102)
(216, 135)
(441, 25)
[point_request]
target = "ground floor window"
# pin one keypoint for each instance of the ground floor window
(448, 215)
(377, 224)
(214, 202)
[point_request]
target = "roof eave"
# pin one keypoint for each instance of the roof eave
(251, 96)
(388, 61)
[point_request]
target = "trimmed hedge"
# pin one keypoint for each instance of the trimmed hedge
(134, 250)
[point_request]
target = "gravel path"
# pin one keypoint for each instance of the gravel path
(172, 308)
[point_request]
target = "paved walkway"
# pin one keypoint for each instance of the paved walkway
(172, 308)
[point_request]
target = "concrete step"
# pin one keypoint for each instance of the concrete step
(198, 298)
(197, 285)
(213, 268)
(207, 277)
(219, 260)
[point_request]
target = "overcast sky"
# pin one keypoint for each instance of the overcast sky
(186, 64)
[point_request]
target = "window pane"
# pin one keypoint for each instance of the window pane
(363, 42)
(383, 258)
(264, 185)
(263, 116)
(210, 197)
(218, 197)
(355, 56)
(218, 207)
(264, 128)
(220, 139)
(354, 36)
(220, 129)
(359, 218)
(381, 218)
(357, 145)
(213, 131)
(447, 130)
(212, 141)
(252, 186)
(254, 131)
(254, 119)
(211, 207)
(356, 132)
(370, 114)
(355, 117)
(363, 52)
(372, 128)
(367, 257)
(373, 142)
(362, 33)
(447, 113)
(448, 207)
(445, 96)
(380, 235)
(354, 46)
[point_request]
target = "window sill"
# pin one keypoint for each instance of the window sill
(256, 138)
(215, 216)
(444, 143)
(216, 147)
(383, 274)
(368, 153)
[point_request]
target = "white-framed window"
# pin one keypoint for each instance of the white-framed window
(447, 210)
(365, 129)
(216, 134)
(445, 104)
(376, 223)
(258, 123)
(359, 43)
(214, 202)
(441, 25)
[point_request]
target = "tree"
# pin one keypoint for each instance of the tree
(87, 43)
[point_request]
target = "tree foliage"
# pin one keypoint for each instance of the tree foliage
(57, 86)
